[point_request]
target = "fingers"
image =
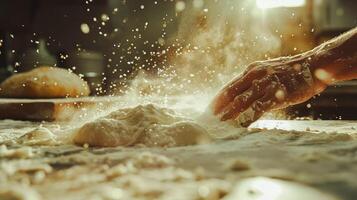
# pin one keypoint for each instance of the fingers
(253, 108)
(240, 103)
(235, 88)
(244, 100)
(256, 110)
(229, 92)
(274, 98)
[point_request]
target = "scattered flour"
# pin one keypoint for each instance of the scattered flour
(308, 138)
(219, 129)
(24, 166)
(23, 152)
(72, 172)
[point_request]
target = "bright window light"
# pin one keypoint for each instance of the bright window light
(263, 4)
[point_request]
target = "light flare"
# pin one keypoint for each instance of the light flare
(264, 4)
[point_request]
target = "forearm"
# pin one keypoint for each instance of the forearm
(335, 60)
(284, 81)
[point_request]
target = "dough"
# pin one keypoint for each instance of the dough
(18, 192)
(145, 124)
(38, 136)
(44, 82)
(23, 152)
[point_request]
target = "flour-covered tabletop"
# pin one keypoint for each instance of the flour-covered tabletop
(316, 159)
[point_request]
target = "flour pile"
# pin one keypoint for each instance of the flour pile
(147, 125)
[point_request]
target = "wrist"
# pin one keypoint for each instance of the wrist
(321, 77)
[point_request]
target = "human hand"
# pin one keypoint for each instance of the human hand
(265, 86)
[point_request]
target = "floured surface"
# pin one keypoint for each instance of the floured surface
(322, 158)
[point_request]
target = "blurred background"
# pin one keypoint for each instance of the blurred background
(190, 42)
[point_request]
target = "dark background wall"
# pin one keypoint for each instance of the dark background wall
(119, 32)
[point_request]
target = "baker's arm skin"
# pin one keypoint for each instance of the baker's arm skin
(281, 82)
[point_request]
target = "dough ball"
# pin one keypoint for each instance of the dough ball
(44, 82)
(177, 134)
(105, 132)
(147, 125)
